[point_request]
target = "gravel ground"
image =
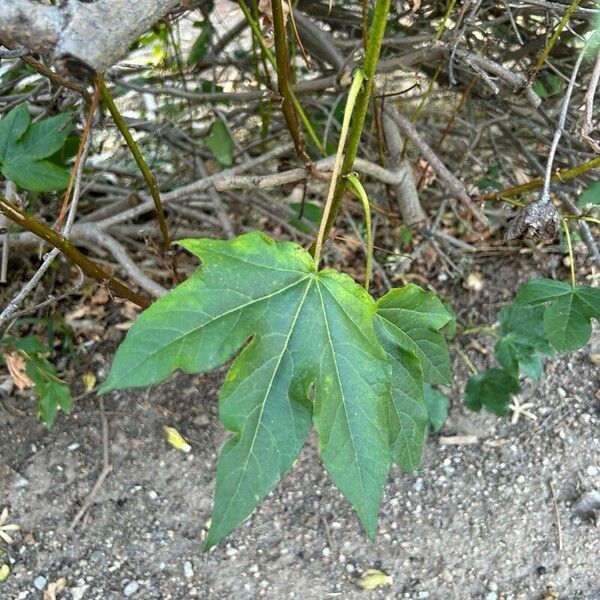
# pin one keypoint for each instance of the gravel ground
(479, 521)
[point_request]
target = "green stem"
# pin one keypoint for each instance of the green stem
(570, 247)
(539, 182)
(90, 268)
(350, 102)
(554, 38)
(381, 11)
(257, 35)
(362, 195)
(139, 159)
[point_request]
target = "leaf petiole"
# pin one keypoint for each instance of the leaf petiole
(362, 195)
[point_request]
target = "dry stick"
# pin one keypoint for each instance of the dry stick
(83, 144)
(43, 70)
(408, 129)
(106, 468)
(59, 241)
(588, 126)
(560, 128)
(139, 159)
(556, 515)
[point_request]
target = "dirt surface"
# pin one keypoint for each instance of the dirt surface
(479, 521)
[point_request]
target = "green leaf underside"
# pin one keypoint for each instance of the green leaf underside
(415, 317)
(305, 328)
(12, 127)
(568, 311)
(491, 389)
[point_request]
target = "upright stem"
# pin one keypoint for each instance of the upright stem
(570, 248)
(282, 60)
(380, 15)
(139, 159)
(14, 213)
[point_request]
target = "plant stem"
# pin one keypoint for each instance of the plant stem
(90, 268)
(362, 195)
(550, 44)
(139, 159)
(381, 10)
(570, 247)
(292, 96)
(350, 102)
(282, 61)
(582, 169)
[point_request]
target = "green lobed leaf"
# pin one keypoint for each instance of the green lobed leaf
(568, 311)
(307, 330)
(491, 389)
(437, 406)
(53, 394)
(407, 326)
(12, 127)
(221, 144)
(416, 316)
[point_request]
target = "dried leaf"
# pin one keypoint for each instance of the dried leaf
(474, 281)
(16, 367)
(175, 439)
(4, 572)
(54, 588)
(89, 381)
(539, 221)
(373, 578)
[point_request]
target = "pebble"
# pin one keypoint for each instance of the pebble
(418, 485)
(40, 582)
(491, 596)
(423, 595)
(152, 495)
(188, 569)
(592, 471)
(131, 588)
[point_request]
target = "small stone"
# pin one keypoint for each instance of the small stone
(491, 596)
(77, 593)
(152, 495)
(40, 582)
(188, 569)
(131, 588)
(73, 446)
(592, 471)
(423, 595)
(418, 485)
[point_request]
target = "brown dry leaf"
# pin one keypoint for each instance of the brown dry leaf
(424, 174)
(55, 588)
(16, 367)
(474, 281)
(416, 5)
(101, 296)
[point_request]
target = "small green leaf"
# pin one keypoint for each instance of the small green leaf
(308, 330)
(568, 311)
(40, 140)
(437, 406)
(29, 344)
(53, 395)
(38, 176)
(416, 316)
(221, 144)
(591, 195)
(12, 127)
(491, 389)
(201, 45)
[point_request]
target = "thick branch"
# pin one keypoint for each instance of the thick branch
(77, 34)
